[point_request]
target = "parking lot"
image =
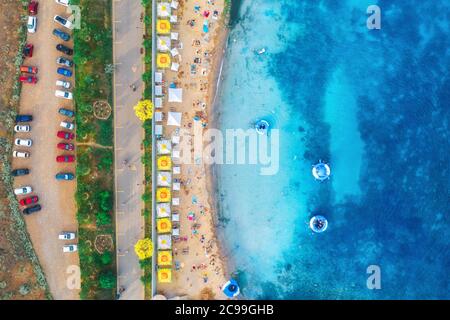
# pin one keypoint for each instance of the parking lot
(56, 197)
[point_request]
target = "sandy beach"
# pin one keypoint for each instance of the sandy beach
(199, 267)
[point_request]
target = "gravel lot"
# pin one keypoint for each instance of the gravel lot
(56, 197)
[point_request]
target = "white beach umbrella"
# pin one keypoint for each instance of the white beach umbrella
(163, 210)
(175, 201)
(174, 52)
(176, 170)
(164, 146)
(175, 95)
(164, 179)
(175, 66)
(176, 154)
(174, 119)
(158, 102)
(175, 139)
(158, 77)
(174, 4)
(173, 19)
(176, 186)
(158, 130)
(164, 9)
(163, 44)
(174, 35)
(164, 241)
(158, 90)
(158, 116)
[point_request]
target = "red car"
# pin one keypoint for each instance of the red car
(27, 69)
(28, 50)
(28, 79)
(29, 200)
(65, 135)
(66, 146)
(65, 158)
(33, 8)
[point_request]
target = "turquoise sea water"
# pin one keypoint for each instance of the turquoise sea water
(372, 103)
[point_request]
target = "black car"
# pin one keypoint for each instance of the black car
(66, 112)
(61, 34)
(20, 172)
(24, 118)
(63, 48)
(32, 209)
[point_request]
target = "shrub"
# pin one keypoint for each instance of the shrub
(107, 280)
(103, 218)
(106, 257)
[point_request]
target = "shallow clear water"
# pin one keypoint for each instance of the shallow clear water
(372, 103)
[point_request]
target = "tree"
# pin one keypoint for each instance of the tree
(144, 110)
(103, 219)
(107, 280)
(106, 258)
(144, 248)
(147, 76)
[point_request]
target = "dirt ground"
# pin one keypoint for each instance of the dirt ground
(56, 197)
(18, 275)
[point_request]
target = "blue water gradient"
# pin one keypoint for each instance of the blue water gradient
(372, 103)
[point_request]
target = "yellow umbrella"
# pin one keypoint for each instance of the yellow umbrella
(163, 225)
(163, 60)
(164, 258)
(163, 26)
(164, 163)
(163, 195)
(164, 276)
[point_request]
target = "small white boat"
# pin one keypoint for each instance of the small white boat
(262, 50)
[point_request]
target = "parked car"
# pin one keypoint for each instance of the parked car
(63, 2)
(66, 112)
(28, 50)
(65, 72)
(63, 83)
(65, 146)
(21, 154)
(64, 49)
(24, 118)
(20, 172)
(23, 190)
(61, 34)
(70, 248)
(64, 22)
(65, 135)
(65, 176)
(65, 158)
(22, 128)
(64, 94)
(32, 209)
(64, 62)
(28, 69)
(23, 142)
(32, 24)
(29, 200)
(67, 125)
(65, 235)
(33, 8)
(28, 79)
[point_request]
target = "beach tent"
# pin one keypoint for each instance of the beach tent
(158, 90)
(163, 146)
(163, 27)
(164, 242)
(175, 67)
(158, 77)
(164, 275)
(163, 60)
(163, 44)
(174, 119)
(163, 225)
(164, 163)
(173, 19)
(163, 9)
(176, 170)
(158, 103)
(174, 52)
(163, 210)
(174, 35)
(158, 130)
(163, 195)
(175, 95)
(165, 258)
(231, 288)
(158, 116)
(164, 179)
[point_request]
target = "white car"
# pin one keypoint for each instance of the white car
(67, 125)
(70, 248)
(64, 94)
(67, 235)
(21, 154)
(24, 128)
(63, 2)
(32, 24)
(62, 21)
(23, 190)
(23, 142)
(62, 83)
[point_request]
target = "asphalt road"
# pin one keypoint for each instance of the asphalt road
(56, 197)
(129, 173)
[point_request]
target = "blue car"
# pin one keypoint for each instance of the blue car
(64, 72)
(24, 118)
(65, 176)
(66, 112)
(61, 34)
